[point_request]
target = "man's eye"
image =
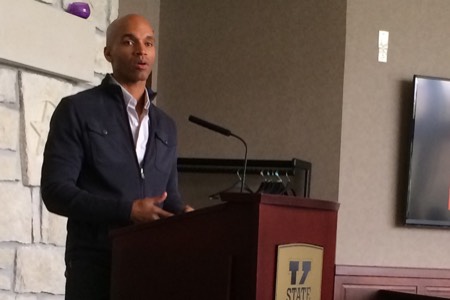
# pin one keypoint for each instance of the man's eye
(128, 42)
(149, 44)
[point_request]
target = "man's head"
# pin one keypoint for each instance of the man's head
(130, 49)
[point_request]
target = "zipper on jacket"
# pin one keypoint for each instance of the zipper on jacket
(130, 135)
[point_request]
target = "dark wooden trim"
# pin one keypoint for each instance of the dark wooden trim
(393, 295)
(349, 270)
(365, 282)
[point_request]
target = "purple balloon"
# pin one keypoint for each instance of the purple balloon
(79, 9)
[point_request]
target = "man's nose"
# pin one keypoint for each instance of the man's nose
(140, 48)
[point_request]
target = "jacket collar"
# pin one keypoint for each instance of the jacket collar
(109, 82)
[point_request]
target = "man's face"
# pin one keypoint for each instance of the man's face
(130, 50)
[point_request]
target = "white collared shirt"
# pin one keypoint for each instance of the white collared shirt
(139, 130)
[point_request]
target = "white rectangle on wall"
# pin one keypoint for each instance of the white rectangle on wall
(383, 45)
(38, 36)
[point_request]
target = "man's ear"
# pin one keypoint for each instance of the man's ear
(107, 53)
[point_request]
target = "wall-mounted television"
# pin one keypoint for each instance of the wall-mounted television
(428, 199)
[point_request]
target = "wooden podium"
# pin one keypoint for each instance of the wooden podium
(222, 252)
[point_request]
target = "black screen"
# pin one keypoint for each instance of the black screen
(429, 170)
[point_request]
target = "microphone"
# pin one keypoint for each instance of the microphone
(225, 132)
(210, 126)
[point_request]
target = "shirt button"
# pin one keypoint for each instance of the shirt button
(105, 132)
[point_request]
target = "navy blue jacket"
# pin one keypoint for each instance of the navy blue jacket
(91, 174)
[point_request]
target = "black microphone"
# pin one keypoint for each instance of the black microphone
(225, 132)
(210, 126)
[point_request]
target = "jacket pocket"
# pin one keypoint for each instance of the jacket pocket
(105, 145)
(165, 152)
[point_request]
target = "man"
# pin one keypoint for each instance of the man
(110, 159)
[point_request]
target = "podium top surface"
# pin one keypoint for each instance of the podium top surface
(279, 200)
(241, 199)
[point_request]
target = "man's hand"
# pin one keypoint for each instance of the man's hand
(188, 208)
(147, 210)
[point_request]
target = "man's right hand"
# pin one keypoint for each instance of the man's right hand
(147, 209)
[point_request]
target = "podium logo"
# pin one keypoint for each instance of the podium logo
(294, 268)
(299, 272)
(299, 289)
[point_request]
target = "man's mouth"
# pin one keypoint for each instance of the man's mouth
(141, 65)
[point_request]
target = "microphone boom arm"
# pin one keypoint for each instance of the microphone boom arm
(245, 160)
(225, 132)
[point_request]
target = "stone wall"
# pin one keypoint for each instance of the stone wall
(32, 239)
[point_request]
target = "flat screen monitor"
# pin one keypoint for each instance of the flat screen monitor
(428, 199)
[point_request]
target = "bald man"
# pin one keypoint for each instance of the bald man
(110, 159)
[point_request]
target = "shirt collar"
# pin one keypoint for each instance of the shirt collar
(128, 98)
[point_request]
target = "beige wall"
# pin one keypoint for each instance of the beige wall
(375, 128)
(272, 71)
